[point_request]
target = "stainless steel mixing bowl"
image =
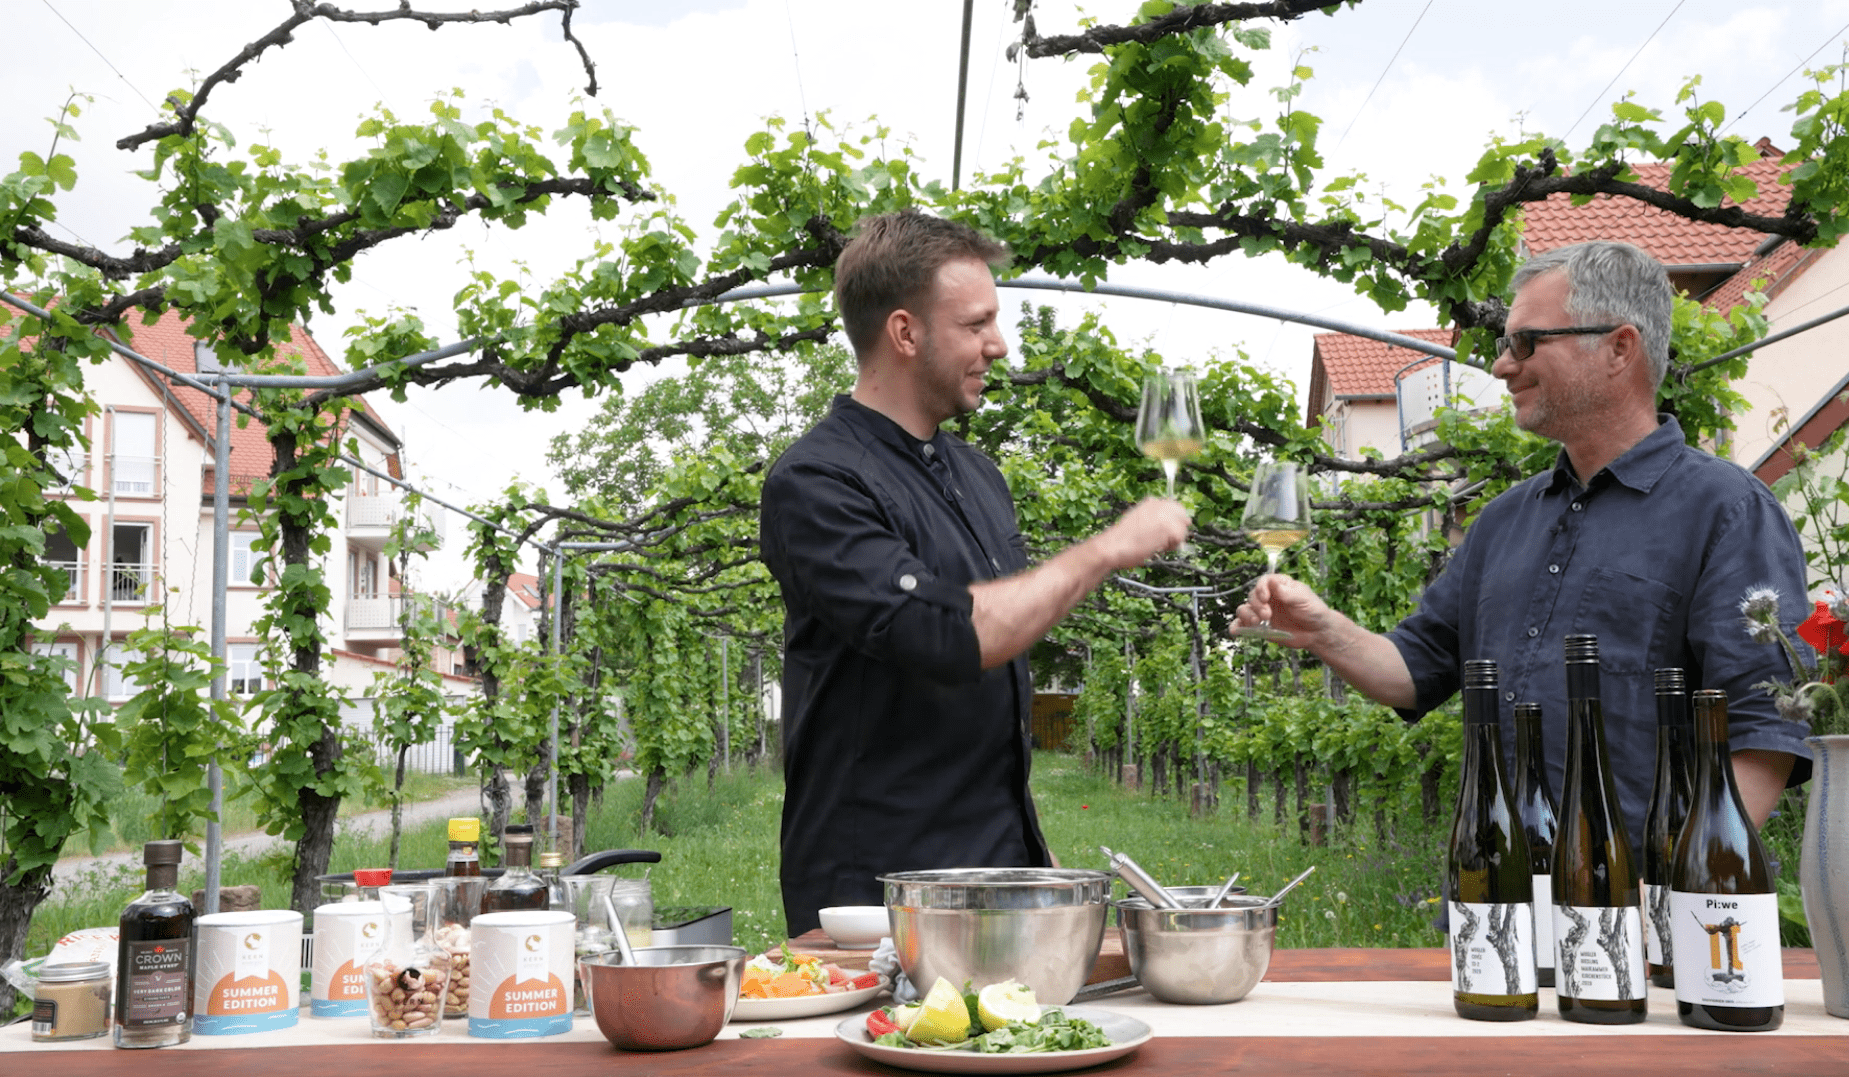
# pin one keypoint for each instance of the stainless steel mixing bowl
(1040, 926)
(1195, 954)
(672, 997)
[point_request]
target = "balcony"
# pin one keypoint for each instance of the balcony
(77, 591)
(136, 476)
(370, 518)
(69, 464)
(130, 583)
(376, 619)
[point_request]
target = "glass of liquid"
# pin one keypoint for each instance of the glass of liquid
(1277, 517)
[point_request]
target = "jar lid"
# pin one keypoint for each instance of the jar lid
(467, 828)
(373, 876)
(67, 971)
(551, 860)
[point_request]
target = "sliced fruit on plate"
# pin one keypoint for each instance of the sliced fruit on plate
(999, 1004)
(944, 1018)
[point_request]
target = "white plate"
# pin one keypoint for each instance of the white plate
(1125, 1033)
(789, 1009)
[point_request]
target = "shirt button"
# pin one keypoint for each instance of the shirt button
(928, 451)
(1510, 696)
(1532, 632)
(993, 563)
(1554, 569)
(908, 582)
(1577, 507)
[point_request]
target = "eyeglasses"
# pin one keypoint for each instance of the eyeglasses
(1520, 344)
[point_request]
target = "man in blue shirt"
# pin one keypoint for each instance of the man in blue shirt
(1634, 536)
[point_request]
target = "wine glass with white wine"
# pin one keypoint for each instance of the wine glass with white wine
(1277, 517)
(1168, 425)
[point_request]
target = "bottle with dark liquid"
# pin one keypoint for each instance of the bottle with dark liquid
(1488, 877)
(154, 958)
(1534, 804)
(1598, 922)
(465, 834)
(1668, 807)
(518, 888)
(1723, 904)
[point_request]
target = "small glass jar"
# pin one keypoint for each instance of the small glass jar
(72, 1001)
(407, 979)
(635, 907)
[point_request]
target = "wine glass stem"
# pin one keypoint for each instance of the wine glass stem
(1169, 469)
(1271, 561)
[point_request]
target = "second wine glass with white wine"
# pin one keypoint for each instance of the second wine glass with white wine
(1277, 517)
(1168, 425)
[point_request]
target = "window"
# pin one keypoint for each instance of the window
(62, 553)
(131, 576)
(243, 674)
(243, 558)
(67, 652)
(366, 584)
(117, 685)
(131, 441)
(205, 358)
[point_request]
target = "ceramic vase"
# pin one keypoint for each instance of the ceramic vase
(1823, 874)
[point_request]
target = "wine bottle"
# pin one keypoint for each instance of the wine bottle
(1540, 814)
(1488, 876)
(154, 958)
(1598, 927)
(1668, 807)
(1723, 905)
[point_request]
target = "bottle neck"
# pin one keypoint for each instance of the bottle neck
(1713, 762)
(1672, 712)
(1582, 680)
(163, 878)
(520, 855)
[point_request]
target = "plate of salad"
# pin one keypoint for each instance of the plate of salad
(782, 985)
(1003, 1031)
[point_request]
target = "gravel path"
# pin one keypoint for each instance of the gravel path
(81, 871)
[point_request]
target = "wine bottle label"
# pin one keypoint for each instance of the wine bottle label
(1728, 944)
(1543, 923)
(1601, 953)
(1659, 945)
(1492, 948)
(158, 982)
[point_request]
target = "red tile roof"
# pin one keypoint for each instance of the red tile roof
(1769, 273)
(1359, 367)
(1672, 240)
(167, 342)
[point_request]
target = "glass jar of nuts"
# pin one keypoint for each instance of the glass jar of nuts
(407, 979)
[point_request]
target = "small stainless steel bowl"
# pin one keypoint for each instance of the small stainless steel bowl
(672, 997)
(1039, 926)
(1198, 894)
(1198, 955)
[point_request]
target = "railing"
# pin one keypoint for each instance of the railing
(135, 476)
(373, 612)
(70, 465)
(384, 510)
(130, 583)
(435, 756)
(75, 591)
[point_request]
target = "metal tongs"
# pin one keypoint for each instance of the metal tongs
(1132, 873)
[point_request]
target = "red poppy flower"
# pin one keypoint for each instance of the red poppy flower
(1824, 632)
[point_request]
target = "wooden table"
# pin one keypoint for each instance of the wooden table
(1214, 1042)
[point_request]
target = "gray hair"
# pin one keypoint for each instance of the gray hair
(1613, 282)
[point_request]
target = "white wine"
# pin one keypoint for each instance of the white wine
(1540, 814)
(1171, 448)
(1277, 539)
(1599, 975)
(1723, 906)
(1669, 801)
(1487, 875)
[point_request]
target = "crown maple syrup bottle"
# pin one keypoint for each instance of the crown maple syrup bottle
(154, 958)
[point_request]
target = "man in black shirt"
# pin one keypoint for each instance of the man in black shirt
(908, 600)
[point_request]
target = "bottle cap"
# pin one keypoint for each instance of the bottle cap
(373, 876)
(69, 971)
(1671, 681)
(156, 853)
(551, 860)
(1581, 647)
(467, 828)
(518, 830)
(1480, 673)
(1526, 709)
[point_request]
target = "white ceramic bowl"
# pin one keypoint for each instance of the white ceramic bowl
(856, 927)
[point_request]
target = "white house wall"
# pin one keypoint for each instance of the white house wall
(1785, 380)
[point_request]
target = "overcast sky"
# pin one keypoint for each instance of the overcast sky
(1407, 89)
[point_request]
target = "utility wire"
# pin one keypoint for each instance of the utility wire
(1838, 34)
(99, 55)
(802, 95)
(353, 59)
(1383, 74)
(1627, 66)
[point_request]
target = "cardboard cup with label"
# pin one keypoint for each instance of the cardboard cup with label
(522, 972)
(347, 935)
(248, 973)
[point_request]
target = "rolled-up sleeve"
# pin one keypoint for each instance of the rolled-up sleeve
(834, 547)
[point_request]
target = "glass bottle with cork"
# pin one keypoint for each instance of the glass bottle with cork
(518, 889)
(154, 958)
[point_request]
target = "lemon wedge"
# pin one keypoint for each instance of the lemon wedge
(944, 1018)
(999, 1004)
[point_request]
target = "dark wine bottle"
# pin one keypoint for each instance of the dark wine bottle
(1540, 814)
(1598, 927)
(518, 889)
(1488, 876)
(1668, 807)
(154, 958)
(1723, 903)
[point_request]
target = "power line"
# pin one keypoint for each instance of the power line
(1781, 81)
(1383, 74)
(802, 96)
(353, 59)
(1627, 66)
(99, 55)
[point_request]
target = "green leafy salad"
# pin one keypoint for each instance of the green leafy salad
(1002, 1019)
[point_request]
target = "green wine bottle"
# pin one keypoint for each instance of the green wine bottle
(1598, 922)
(1540, 816)
(1723, 905)
(1668, 807)
(1488, 878)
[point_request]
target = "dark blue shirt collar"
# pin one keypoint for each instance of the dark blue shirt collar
(1638, 467)
(882, 426)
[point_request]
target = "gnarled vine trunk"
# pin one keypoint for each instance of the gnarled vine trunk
(17, 903)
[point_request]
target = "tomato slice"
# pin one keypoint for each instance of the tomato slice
(865, 979)
(879, 1022)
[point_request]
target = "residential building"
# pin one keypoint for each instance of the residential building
(151, 467)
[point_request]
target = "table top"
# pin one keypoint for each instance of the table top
(1328, 1012)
